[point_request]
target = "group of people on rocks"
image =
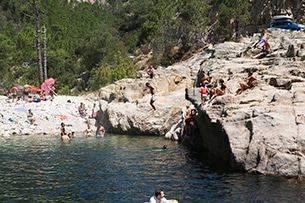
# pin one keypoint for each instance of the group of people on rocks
(209, 88)
(207, 83)
(82, 111)
(189, 114)
(89, 131)
(26, 96)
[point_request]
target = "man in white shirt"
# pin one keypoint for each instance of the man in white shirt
(159, 197)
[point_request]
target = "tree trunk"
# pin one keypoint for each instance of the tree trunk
(39, 61)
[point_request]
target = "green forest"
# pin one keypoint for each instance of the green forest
(89, 45)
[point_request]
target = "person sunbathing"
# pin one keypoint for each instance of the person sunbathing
(251, 80)
(221, 90)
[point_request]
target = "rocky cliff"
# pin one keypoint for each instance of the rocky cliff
(260, 130)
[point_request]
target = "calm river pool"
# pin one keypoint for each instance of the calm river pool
(119, 168)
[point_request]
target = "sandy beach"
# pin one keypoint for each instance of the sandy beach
(48, 114)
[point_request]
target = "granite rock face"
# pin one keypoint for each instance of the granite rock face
(260, 130)
(125, 104)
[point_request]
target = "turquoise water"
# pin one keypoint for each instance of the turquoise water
(120, 168)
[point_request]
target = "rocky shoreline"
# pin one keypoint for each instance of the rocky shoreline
(48, 114)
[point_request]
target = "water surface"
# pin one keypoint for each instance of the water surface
(119, 168)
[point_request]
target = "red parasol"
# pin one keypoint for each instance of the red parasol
(47, 84)
(34, 88)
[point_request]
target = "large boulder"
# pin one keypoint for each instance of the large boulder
(125, 104)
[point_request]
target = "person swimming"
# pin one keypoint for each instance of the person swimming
(89, 130)
(100, 132)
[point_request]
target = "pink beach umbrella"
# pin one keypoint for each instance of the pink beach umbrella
(47, 84)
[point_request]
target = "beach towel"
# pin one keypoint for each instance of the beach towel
(20, 109)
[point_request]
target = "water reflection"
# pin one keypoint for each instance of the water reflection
(121, 168)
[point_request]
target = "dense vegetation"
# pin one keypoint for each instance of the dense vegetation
(93, 41)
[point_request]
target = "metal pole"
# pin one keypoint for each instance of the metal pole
(45, 52)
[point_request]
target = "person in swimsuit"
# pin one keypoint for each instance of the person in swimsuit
(63, 133)
(206, 78)
(204, 91)
(25, 93)
(43, 95)
(13, 92)
(267, 49)
(100, 132)
(82, 110)
(89, 130)
(151, 72)
(262, 39)
(221, 90)
(30, 117)
(152, 90)
(251, 80)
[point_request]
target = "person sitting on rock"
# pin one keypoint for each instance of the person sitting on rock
(206, 79)
(30, 117)
(82, 110)
(267, 49)
(151, 72)
(221, 90)
(262, 39)
(43, 95)
(189, 120)
(251, 80)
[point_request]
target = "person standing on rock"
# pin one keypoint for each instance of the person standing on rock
(204, 92)
(152, 90)
(13, 92)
